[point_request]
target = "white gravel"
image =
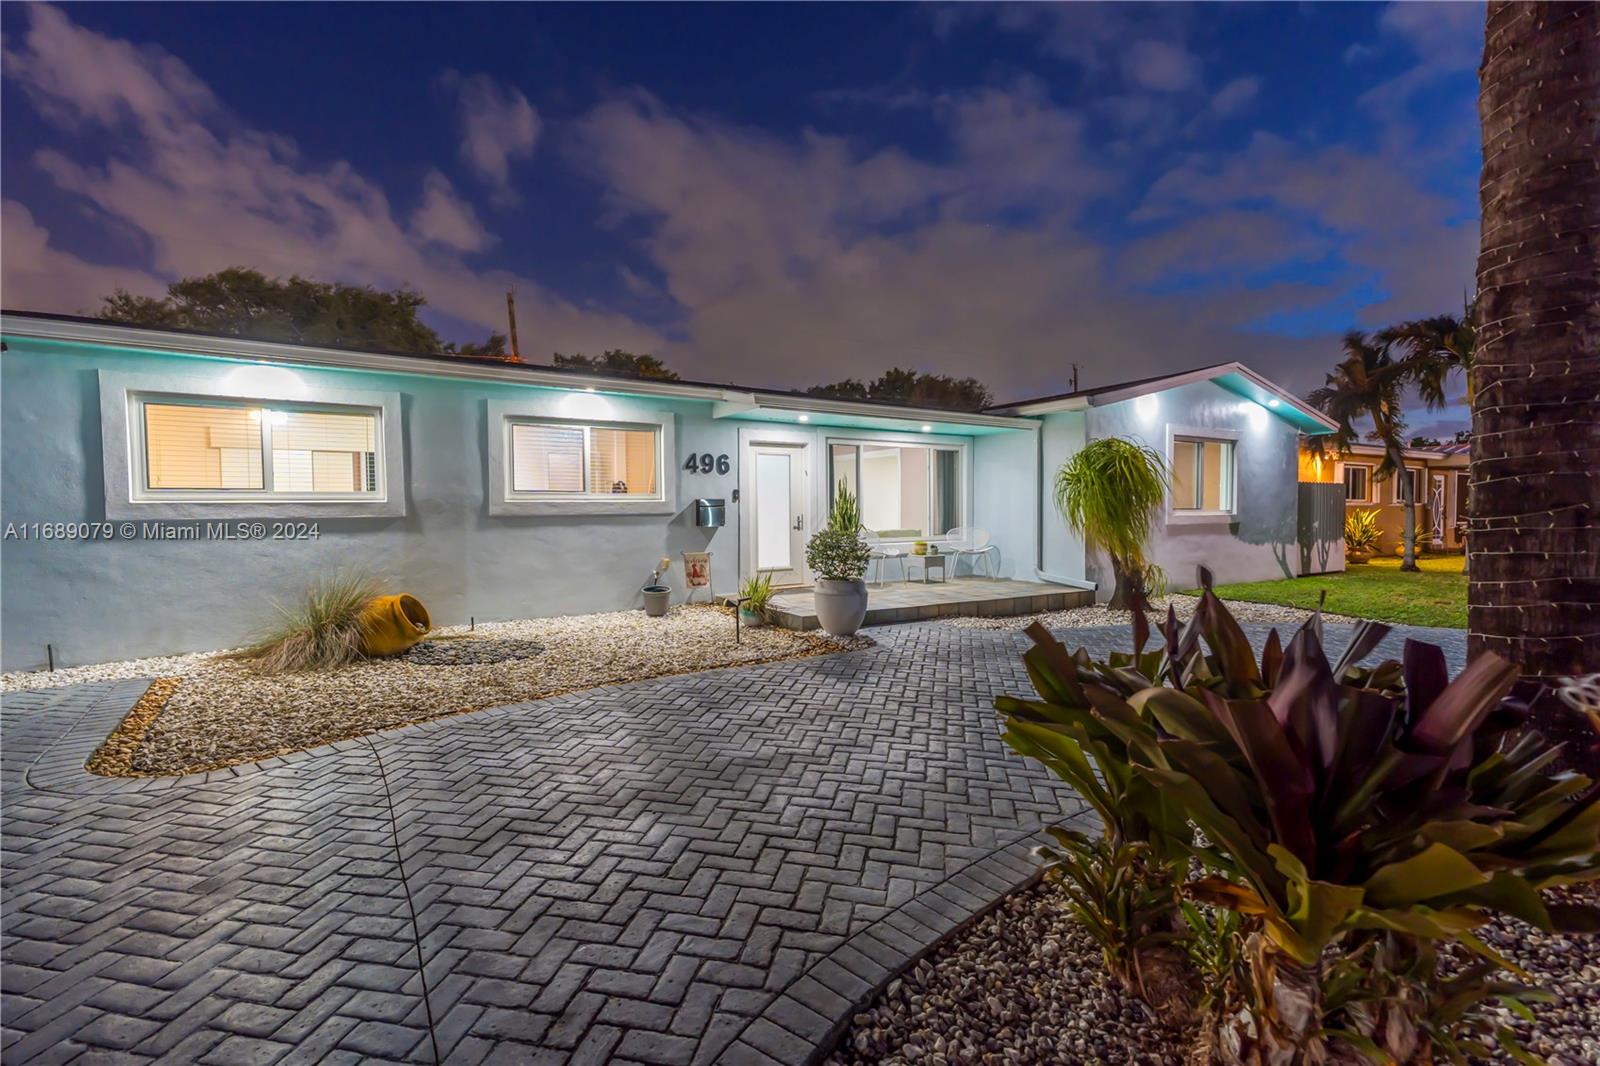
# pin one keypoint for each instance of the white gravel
(158, 666)
(224, 712)
(1082, 617)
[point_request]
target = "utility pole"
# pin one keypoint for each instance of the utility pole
(511, 316)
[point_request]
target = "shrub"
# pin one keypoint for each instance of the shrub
(756, 592)
(1109, 493)
(1347, 813)
(1361, 532)
(322, 632)
(837, 552)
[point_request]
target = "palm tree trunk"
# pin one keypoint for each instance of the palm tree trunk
(1534, 511)
(1408, 516)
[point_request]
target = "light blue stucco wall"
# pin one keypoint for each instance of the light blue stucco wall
(1061, 437)
(116, 599)
(1006, 501)
(1258, 542)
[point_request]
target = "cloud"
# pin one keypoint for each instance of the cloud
(1161, 65)
(444, 218)
(38, 275)
(204, 191)
(825, 261)
(1447, 39)
(1236, 96)
(497, 125)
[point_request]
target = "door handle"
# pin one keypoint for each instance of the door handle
(799, 521)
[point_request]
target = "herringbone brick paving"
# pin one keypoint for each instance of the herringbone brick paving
(632, 874)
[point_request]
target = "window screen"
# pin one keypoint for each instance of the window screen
(577, 460)
(1202, 475)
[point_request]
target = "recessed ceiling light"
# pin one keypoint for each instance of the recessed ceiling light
(805, 418)
(589, 388)
(1272, 402)
(927, 429)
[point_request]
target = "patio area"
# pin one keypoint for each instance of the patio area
(916, 601)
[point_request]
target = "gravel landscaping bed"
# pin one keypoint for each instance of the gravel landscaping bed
(1079, 617)
(1025, 984)
(222, 712)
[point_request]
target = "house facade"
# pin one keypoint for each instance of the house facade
(159, 489)
(1439, 479)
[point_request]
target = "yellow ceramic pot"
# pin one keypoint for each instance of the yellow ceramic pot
(391, 624)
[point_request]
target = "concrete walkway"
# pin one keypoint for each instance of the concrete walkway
(708, 868)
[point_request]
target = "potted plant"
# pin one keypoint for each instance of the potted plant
(838, 558)
(657, 597)
(1361, 534)
(754, 596)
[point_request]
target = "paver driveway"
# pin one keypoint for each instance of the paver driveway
(628, 874)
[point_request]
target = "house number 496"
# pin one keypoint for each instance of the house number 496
(705, 463)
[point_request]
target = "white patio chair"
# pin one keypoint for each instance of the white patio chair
(969, 540)
(880, 553)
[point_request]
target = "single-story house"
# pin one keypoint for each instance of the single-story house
(161, 487)
(1439, 478)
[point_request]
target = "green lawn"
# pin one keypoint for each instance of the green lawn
(1378, 590)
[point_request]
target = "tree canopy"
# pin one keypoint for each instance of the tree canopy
(913, 389)
(617, 361)
(240, 302)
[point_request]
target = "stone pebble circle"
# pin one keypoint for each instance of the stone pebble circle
(471, 651)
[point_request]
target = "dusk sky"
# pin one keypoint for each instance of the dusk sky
(772, 195)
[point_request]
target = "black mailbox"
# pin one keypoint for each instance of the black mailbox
(710, 513)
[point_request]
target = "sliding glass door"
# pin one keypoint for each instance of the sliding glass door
(907, 491)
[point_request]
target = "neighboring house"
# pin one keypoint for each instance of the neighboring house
(161, 487)
(1439, 479)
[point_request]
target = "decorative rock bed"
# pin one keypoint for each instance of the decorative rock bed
(467, 651)
(1025, 984)
(214, 711)
(1081, 617)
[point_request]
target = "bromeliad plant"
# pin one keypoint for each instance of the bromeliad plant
(1346, 812)
(1362, 532)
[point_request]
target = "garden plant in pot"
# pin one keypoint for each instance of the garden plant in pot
(657, 597)
(838, 558)
(754, 597)
(1361, 534)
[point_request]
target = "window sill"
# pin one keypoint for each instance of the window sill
(555, 508)
(1192, 519)
(223, 510)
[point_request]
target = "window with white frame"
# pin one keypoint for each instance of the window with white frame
(905, 491)
(1202, 475)
(576, 460)
(1357, 483)
(197, 448)
(1416, 487)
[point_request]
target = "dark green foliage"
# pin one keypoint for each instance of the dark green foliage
(239, 302)
(617, 361)
(912, 389)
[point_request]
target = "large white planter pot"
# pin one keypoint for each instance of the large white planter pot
(841, 605)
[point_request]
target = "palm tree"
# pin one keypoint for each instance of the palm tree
(1367, 383)
(1436, 348)
(1534, 512)
(1108, 493)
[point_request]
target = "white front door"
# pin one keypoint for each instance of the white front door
(778, 486)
